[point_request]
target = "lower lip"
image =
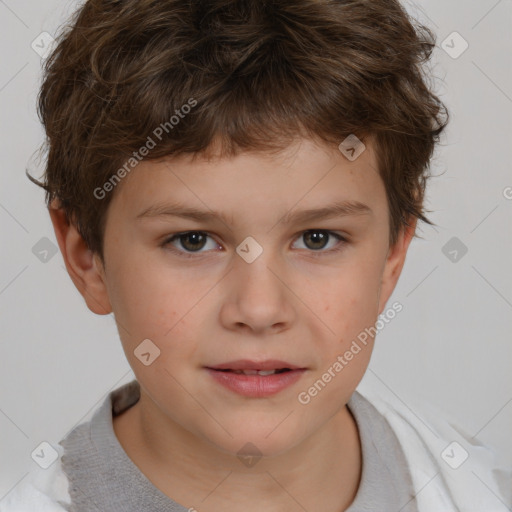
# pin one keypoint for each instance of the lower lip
(256, 386)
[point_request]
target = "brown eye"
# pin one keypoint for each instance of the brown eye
(189, 242)
(318, 239)
(193, 241)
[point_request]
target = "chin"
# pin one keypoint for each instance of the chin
(257, 441)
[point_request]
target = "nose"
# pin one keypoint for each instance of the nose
(257, 297)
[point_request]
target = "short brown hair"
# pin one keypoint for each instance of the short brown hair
(261, 72)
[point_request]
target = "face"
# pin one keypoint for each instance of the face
(257, 278)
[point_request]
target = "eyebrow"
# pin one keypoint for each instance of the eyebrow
(338, 209)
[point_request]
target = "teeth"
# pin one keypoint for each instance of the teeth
(255, 372)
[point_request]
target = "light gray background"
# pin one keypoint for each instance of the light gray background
(451, 344)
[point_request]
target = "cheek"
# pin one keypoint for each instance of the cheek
(162, 306)
(351, 311)
(350, 302)
(146, 302)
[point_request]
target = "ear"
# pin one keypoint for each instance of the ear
(83, 266)
(394, 263)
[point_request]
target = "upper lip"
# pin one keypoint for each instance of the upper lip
(246, 364)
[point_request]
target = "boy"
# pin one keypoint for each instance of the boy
(288, 140)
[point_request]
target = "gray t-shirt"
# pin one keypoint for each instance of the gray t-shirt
(103, 478)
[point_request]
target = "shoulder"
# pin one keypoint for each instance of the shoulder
(41, 490)
(450, 469)
(48, 490)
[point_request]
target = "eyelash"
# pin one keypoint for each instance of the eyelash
(342, 242)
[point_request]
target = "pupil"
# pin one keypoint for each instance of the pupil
(194, 237)
(318, 237)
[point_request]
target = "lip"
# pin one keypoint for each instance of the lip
(256, 386)
(247, 364)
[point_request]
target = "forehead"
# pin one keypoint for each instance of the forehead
(303, 175)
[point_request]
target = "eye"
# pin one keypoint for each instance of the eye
(191, 241)
(317, 239)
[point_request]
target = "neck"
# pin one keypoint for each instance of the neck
(197, 474)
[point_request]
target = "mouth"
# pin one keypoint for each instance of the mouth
(256, 379)
(255, 372)
(247, 365)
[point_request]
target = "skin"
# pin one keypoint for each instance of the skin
(298, 302)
